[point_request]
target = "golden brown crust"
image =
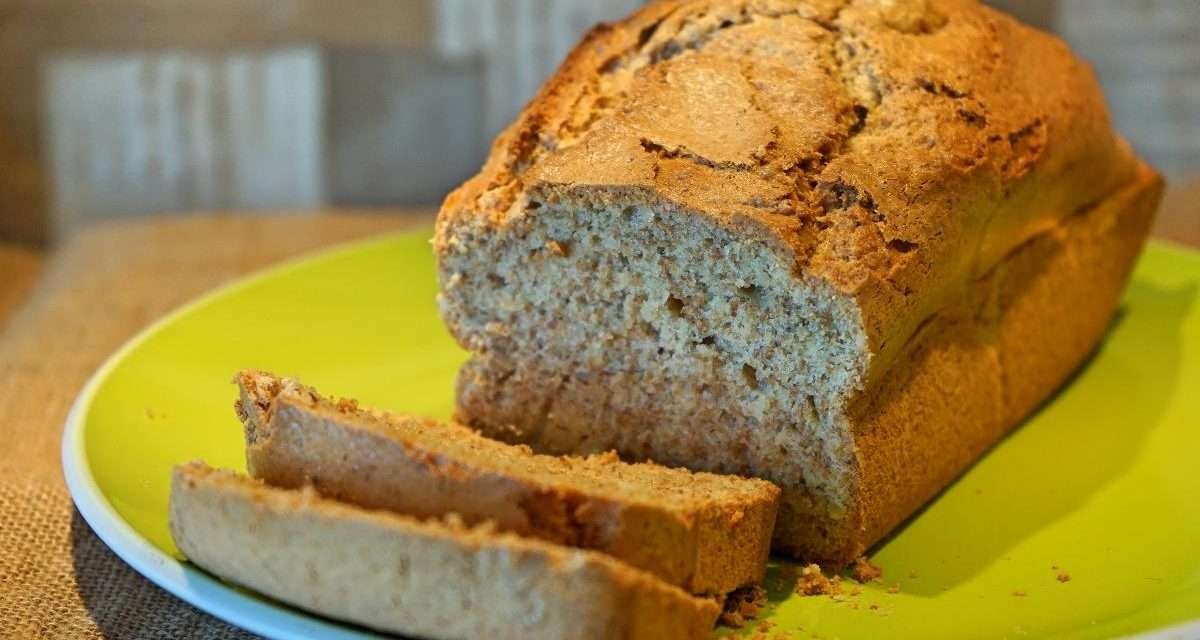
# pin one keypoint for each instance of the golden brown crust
(897, 150)
(975, 374)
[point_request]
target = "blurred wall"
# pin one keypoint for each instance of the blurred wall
(1147, 54)
(128, 107)
(33, 33)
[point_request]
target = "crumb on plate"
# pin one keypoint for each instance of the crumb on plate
(743, 605)
(814, 583)
(864, 571)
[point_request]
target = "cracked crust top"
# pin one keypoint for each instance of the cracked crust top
(896, 149)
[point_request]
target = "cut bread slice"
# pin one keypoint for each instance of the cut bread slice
(435, 579)
(707, 533)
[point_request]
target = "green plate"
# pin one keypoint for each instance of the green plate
(1100, 485)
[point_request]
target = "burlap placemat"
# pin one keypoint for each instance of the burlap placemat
(57, 579)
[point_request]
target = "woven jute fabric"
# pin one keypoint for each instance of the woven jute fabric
(57, 579)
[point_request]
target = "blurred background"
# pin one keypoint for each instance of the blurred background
(123, 108)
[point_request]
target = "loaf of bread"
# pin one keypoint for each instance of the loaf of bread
(841, 245)
(433, 579)
(707, 533)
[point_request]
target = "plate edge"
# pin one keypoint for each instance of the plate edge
(190, 585)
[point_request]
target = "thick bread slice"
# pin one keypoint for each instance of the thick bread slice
(843, 245)
(434, 579)
(704, 532)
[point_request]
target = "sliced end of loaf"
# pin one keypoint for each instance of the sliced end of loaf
(595, 323)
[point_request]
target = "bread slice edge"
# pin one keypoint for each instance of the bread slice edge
(434, 578)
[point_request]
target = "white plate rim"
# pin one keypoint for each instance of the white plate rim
(197, 588)
(201, 589)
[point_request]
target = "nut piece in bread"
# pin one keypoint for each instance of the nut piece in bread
(843, 246)
(434, 579)
(704, 532)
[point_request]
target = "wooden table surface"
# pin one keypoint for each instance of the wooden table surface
(63, 313)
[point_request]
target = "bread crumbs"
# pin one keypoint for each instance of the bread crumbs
(1020, 593)
(864, 571)
(814, 583)
(1063, 576)
(743, 605)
